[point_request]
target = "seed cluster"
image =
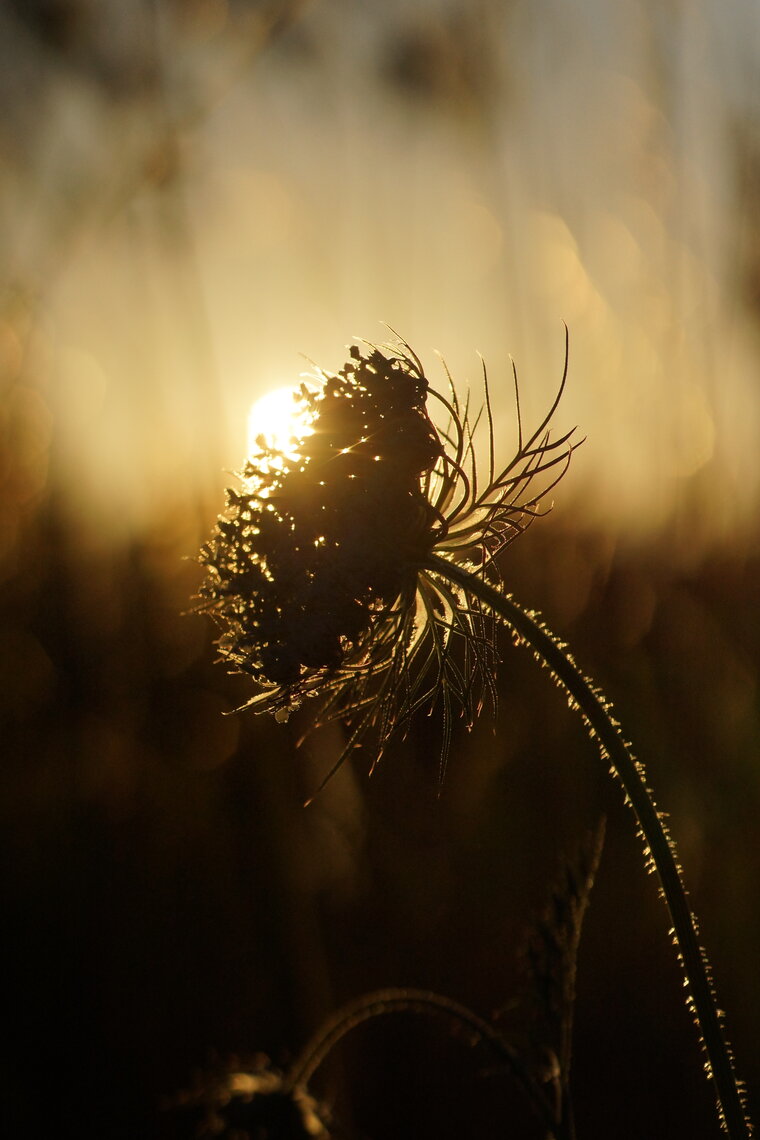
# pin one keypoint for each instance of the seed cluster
(313, 548)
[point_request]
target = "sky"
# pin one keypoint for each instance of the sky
(200, 199)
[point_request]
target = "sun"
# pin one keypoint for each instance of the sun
(277, 420)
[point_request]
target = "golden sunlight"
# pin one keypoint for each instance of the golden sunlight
(277, 420)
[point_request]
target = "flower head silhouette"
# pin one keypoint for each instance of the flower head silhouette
(358, 569)
(318, 574)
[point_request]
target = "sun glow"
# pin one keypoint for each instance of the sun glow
(277, 421)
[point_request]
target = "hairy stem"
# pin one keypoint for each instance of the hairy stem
(659, 848)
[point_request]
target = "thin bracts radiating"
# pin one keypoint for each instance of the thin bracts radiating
(315, 573)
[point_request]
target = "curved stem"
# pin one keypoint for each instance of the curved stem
(405, 1000)
(659, 848)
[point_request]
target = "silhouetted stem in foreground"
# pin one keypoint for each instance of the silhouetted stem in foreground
(405, 1000)
(659, 849)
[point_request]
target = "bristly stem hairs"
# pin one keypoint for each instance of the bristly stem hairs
(356, 570)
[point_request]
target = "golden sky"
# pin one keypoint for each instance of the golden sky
(192, 200)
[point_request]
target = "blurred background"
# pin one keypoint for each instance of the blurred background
(196, 195)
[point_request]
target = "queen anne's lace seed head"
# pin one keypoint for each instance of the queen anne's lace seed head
(317, 572)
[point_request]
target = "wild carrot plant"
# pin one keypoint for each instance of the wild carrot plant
(356, 570)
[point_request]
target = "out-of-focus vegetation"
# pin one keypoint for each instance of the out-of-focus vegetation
(191, 194)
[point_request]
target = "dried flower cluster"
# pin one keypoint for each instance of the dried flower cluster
(317, 574)
(247, 1104)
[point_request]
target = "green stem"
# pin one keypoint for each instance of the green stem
(659, 848)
